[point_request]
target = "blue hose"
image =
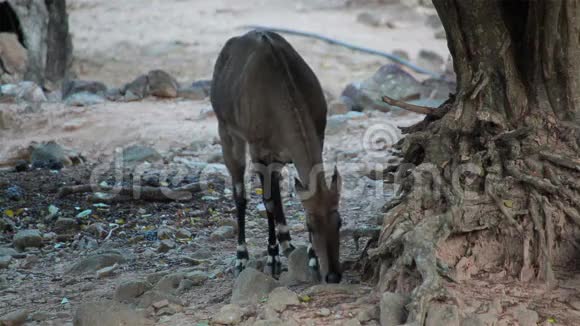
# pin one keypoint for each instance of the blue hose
(350, 46)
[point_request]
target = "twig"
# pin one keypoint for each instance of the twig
(409, 107)
(349, 46)
(111, 232)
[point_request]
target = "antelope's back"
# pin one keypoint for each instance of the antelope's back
(260, 83)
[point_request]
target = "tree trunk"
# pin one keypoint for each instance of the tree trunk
(42, 28)
(499, 162)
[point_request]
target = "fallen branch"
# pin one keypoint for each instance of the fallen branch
(409, 107)
(119, 194)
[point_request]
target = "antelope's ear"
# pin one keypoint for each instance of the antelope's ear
(336, 184)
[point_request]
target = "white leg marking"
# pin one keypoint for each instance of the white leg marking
(313, 262)
(282, 228)
(242, 248)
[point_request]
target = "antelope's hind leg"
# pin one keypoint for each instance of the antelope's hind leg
(234, 152)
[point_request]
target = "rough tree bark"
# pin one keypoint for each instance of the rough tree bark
(43, 29)
(498, 163)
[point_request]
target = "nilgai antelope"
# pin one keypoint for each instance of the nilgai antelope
(266, 98)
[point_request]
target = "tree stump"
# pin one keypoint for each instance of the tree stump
(35, 43)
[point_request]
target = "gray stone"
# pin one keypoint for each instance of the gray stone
(129, 290)
(139, 153)
(150, 297)
(437, 89)
(25, 91)
(372, 19)
(27, 239)
(197, 277)
(40, 316)
(9, 252)
(164, 233)
(335, 289)
(191, 93)
(273, 322)
(15, 318)
(165, 246)
(137, 89)
(184, 286)
(3, 282)
(524, 316)
(65, 225)
(84, 99)
(298, 269)
(442, 314)
(251, 286)
(222, 233)
(169, 283)
(49, 155)
(109, 313)
(76, 86)
(369, 313)
(488, 319)
(97, 230)
(162, 84)
(392, 309)
(230, 314)
(95, 262)
(282, 297)
(183, 234)
(5, 261)
(155, 277)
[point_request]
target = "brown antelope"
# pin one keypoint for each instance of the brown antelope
(267, 98)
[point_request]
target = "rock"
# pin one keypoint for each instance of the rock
(230, 314)
(165, 246)
(273, 322)
(298, 270)
(442, 314)
(3, 282)
(524, 316)
(40, 316)
(114, 94)
(370, 313)
(390, 80)
(335, 289)
(324, 312)
(76, 86)
(337, 107)
(14, 193)
(437, 89)
(252, 285)
(257, 263)
(430, 60)
(192, 93)
(27, 239)
(84, 99)
(95, 262)
(20, 165)
(164, 233)
(372, 19)
(107, 271)
(222, 233)
(183, 234)
(65, 225)
(97, 230)
(152, 296)
(392, 308)
(160, 304)
(169, 283)
(282, 297)
(161, 84)
(203, 84)
(29, 261)
(15, 318)
(13, 54)
(10, 252)
(49, 155)
(137, 89)
(184, 286)
(129, 290)
(352, 322)
(5, 261)
(197, 277)
(25, 91)
(139, 153)
(109, 313)
(488, 319)
(155, 277)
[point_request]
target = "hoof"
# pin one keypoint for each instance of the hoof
(274, 266)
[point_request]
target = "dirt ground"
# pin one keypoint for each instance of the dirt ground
(116, 41)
